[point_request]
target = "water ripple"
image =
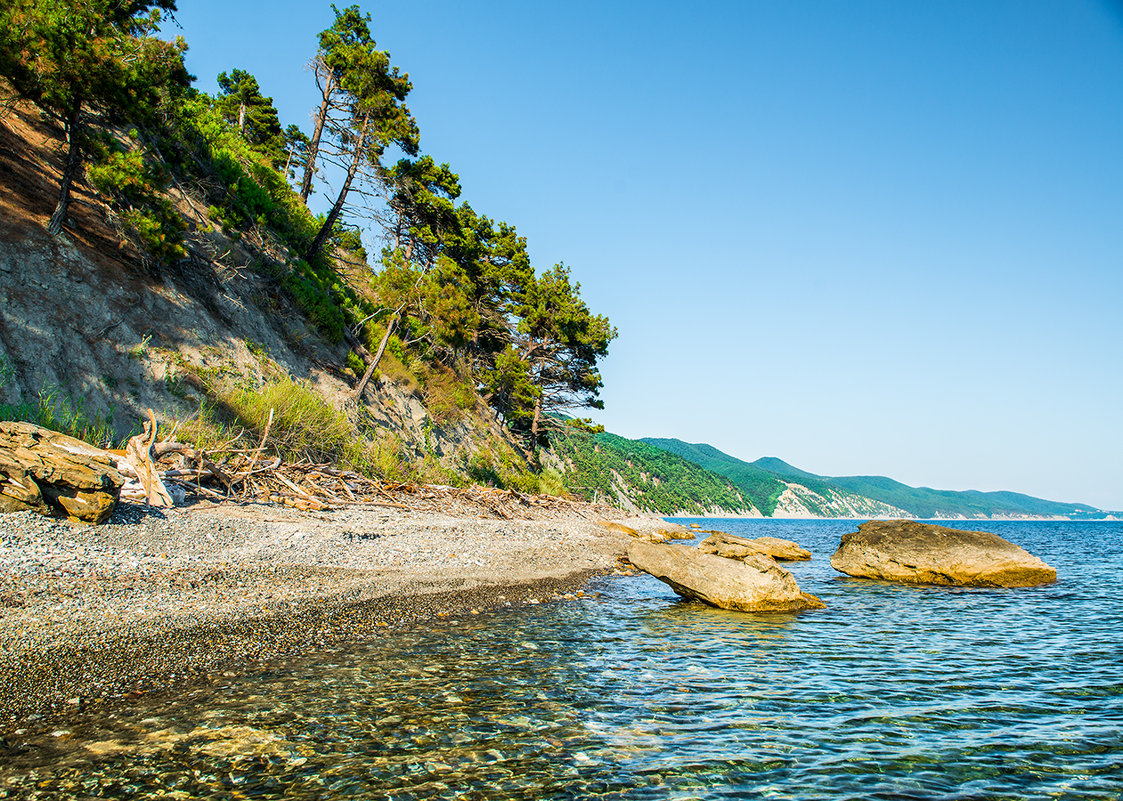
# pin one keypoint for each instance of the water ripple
(891, 692)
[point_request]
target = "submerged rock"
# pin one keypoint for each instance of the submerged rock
(51, 473)
(756, 584)
(734, 547)
(923, 553)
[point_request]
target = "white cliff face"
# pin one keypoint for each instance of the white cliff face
(797, 501)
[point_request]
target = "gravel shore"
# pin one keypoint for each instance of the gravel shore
(155, 597)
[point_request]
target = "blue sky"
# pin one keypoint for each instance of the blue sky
(865, 237)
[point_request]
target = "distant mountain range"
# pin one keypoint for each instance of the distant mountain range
(669, 476)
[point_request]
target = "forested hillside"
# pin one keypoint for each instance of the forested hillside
(761, 487)
(636, 475)
(151, 182)
(765, 474)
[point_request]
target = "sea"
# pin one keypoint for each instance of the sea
(891, 692)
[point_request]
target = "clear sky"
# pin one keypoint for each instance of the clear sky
(865, 237)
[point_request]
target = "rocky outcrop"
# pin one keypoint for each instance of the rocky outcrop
(649, 529)
(922, 553)
(734, 547)
(51, 473)
(756, 584)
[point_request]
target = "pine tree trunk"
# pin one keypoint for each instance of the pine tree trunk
(242, 118)
(73, 163)
(377, 358)
(337, 209)
(314, 145)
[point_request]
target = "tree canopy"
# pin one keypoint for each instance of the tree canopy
(70, 58)
(369, 113)
(454, 288)
(241, 103)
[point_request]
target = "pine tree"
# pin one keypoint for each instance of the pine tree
(255, 116)
(76, 57)
(369, 116)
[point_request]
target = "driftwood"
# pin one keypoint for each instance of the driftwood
(138, 455)
(253, 475)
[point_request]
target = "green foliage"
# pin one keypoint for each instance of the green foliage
(512, 388)
(585, 424)
(561, 342)
(242, 105)
(60, 412)
(504, 472)
(367, 96)
(245, 189)
(95, 53)
(395, 346)
(551, 482)
(307, 288)
(350, 240)
(305, 425)
(71, 58)
(458, 288)
(421, 206)
(761, 481)
(358, 367)
(759, 486)
(656, 480)
(133, 182)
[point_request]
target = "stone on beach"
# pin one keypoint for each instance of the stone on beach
(649, 529)
(923, 553)
(756, 584)
(734, 547)
(48, 472)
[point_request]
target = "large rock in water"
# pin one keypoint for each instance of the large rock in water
(922, 553)
(757, 584)
(733, 547)
(52, 473)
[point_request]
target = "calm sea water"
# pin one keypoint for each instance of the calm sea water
(891, 692)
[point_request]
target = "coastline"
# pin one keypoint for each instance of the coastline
(154, 599)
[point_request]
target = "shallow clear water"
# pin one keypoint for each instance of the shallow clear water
(890, 692)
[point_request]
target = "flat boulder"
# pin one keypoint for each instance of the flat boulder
(756, 584)
(649, 529)
(51, 473)
(923, 553)
(733, 547)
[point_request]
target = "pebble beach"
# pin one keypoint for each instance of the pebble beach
(155, 597)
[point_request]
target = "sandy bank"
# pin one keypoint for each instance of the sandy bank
(155, 597)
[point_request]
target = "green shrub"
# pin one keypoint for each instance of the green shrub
(358, 367)
(394, 345)
(134, 183)
(551, 482)
(305, 425)
(59, 412)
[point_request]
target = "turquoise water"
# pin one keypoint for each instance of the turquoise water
(891, 692)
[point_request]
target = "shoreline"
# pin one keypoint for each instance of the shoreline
(157, 599)
(1110, 518)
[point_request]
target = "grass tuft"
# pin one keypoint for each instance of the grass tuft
(60, 412)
